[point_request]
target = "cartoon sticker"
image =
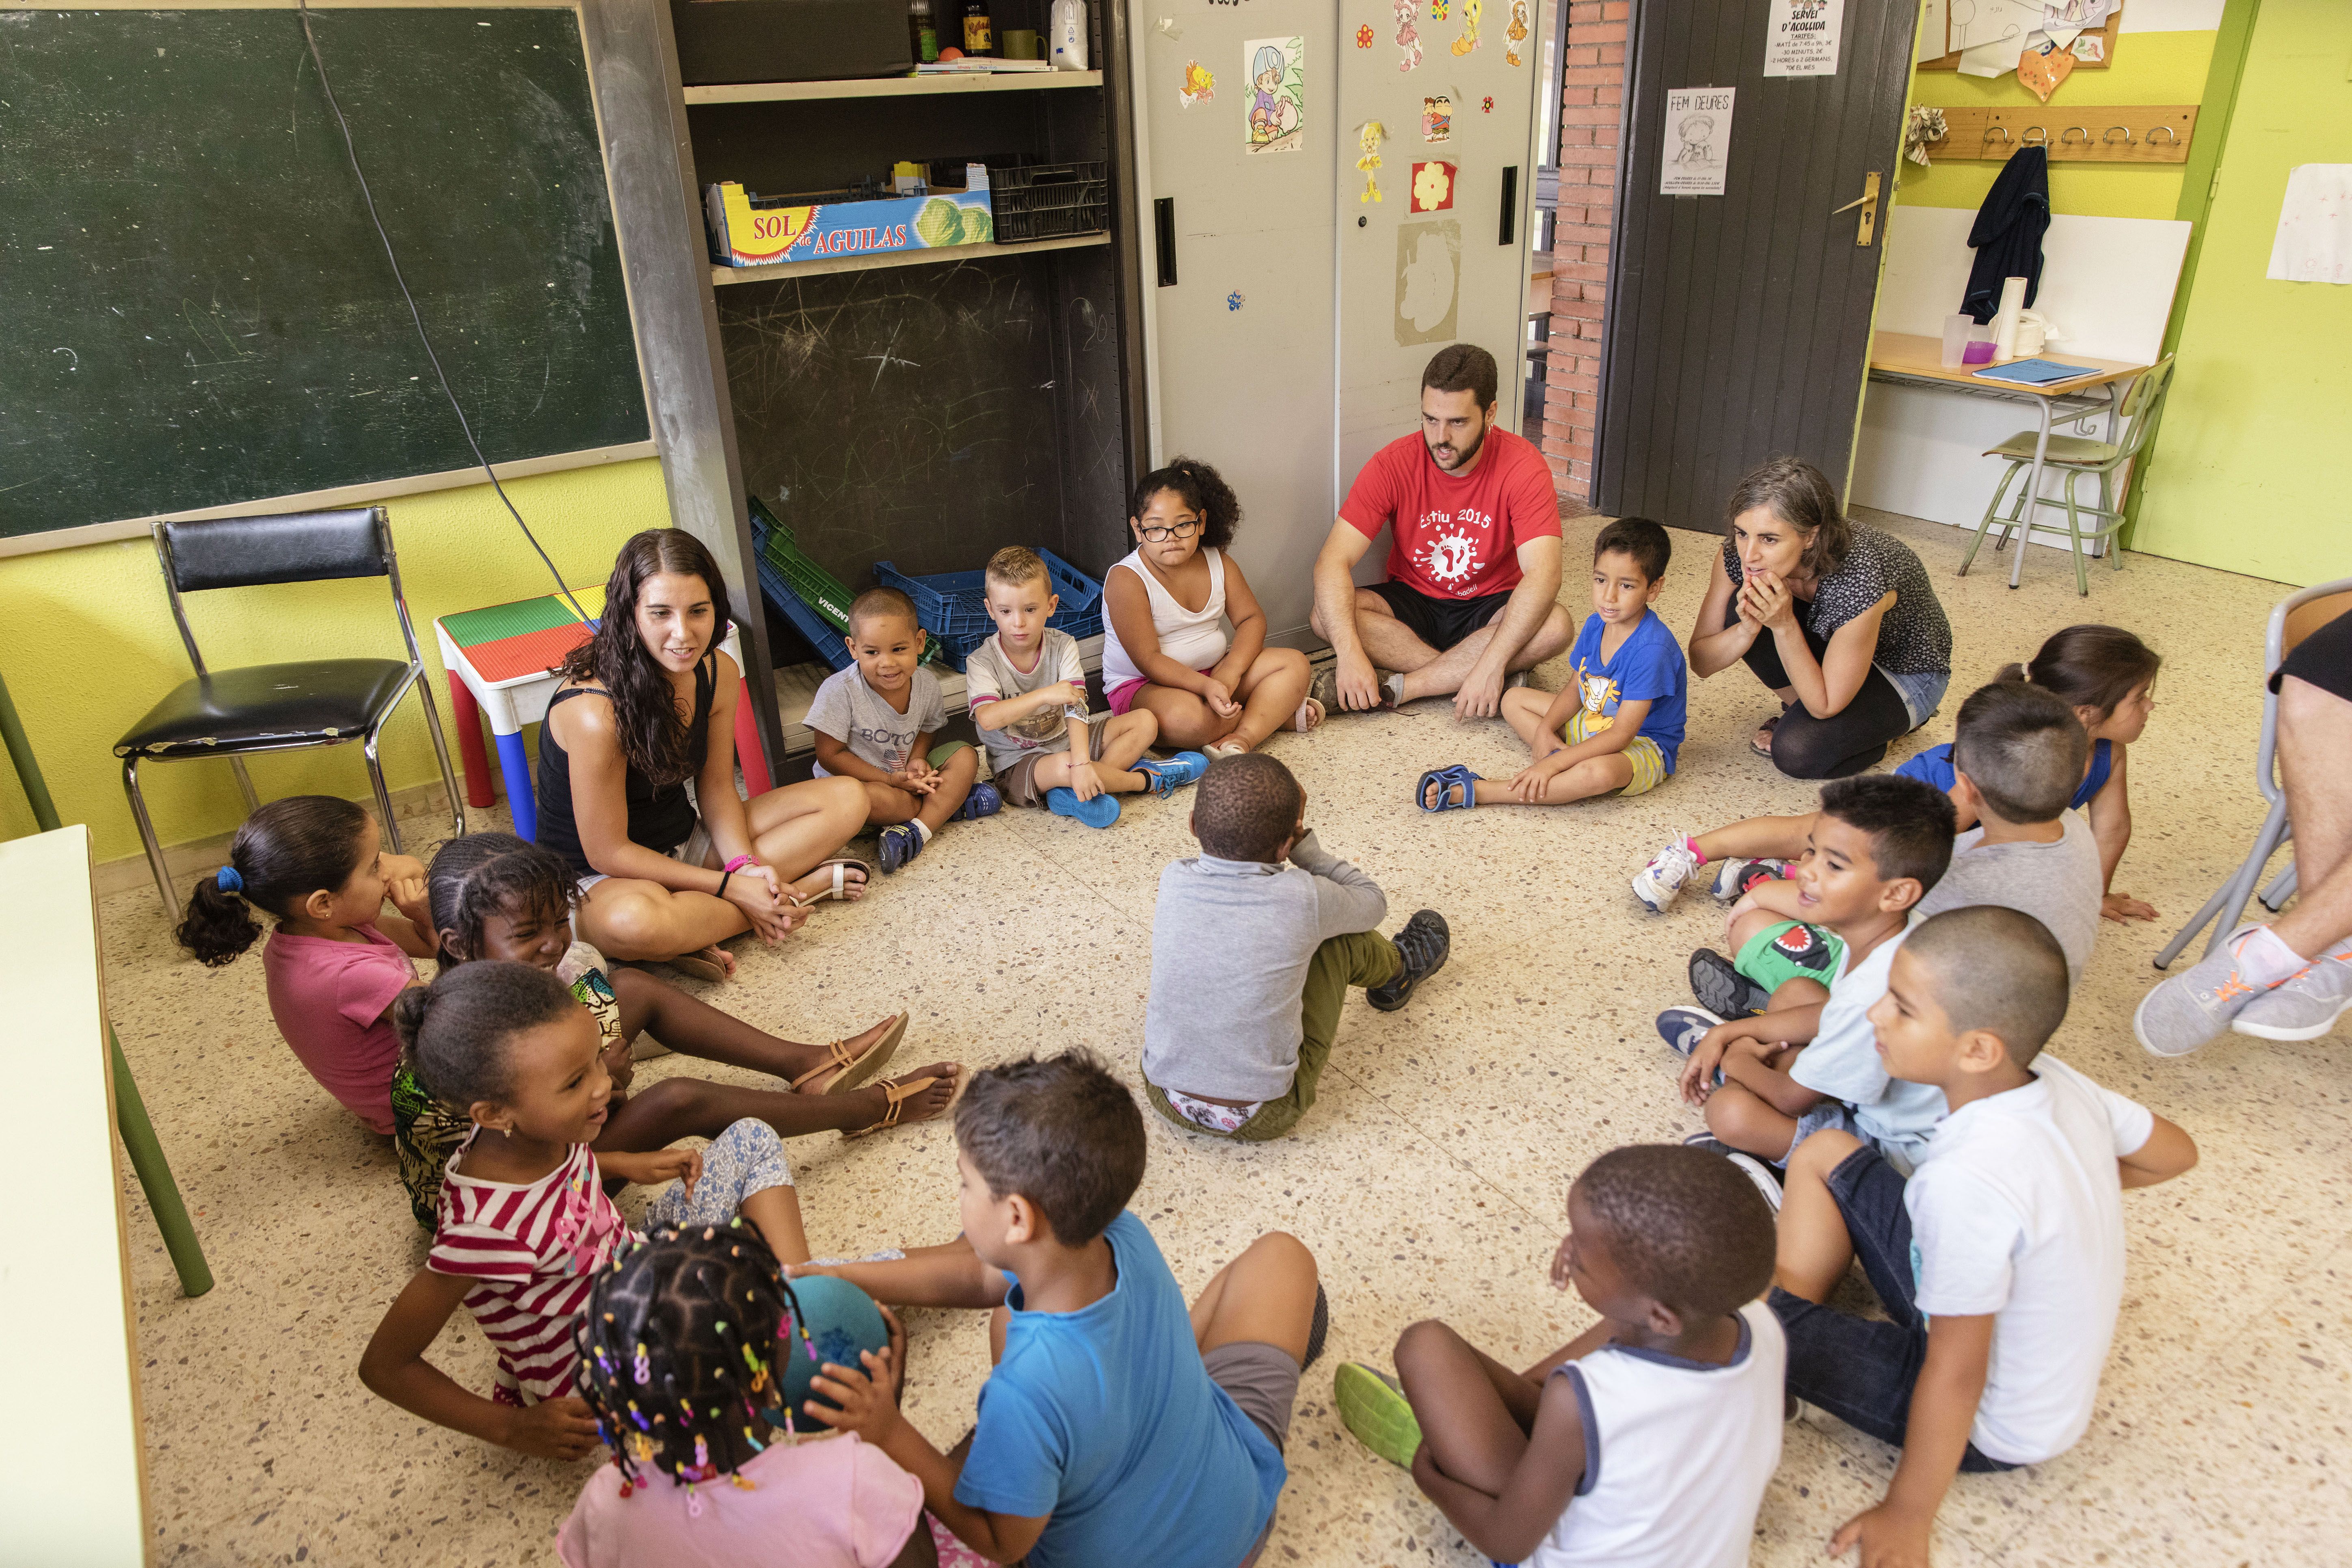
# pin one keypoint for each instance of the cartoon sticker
(1429, 280)
(1517, 34)
(1233, 301)
(1369, 138)
(1278, 86)
(1407, 37)
(1469, 38)
(1437, 118)
(1432, 187)
(1199, 83)
(1364, 37)
(1437, 10)
(1487, 104)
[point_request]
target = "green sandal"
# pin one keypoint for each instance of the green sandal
(1375, 1409)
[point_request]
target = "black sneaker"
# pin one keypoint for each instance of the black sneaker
(1423, 946)
(1722, 990)
(1319, 1330)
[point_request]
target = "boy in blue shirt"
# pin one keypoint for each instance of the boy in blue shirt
(1617, 729)
(1117, 1426)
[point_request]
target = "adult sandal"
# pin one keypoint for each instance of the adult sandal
(852, 1069)
(897, 1094)
(694, 966)
(1448, 779)
(840, 863)
(1768, 727)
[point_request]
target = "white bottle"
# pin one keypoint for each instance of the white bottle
(1068, 47)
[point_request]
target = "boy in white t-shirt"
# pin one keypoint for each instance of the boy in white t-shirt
(2001, 1263)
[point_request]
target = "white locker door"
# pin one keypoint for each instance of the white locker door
(1411, 282)
(1239, 346)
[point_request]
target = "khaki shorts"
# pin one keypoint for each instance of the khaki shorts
(1017, 784)
(1648, 761)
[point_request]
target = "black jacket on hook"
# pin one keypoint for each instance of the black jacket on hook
(2008, 232)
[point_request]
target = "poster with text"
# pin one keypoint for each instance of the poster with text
(1276, 93)
(1698, 141)
(1800, 37)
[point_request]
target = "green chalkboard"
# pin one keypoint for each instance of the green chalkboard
(195, 309)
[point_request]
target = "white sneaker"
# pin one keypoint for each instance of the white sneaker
(1732, 872)
(1664, 877)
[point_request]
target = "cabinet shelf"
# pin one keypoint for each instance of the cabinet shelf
(890, 87)
(916, 258)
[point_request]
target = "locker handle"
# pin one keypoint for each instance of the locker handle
(1509, 231)
(1163, 224)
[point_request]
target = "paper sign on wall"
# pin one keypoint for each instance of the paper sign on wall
(1698, 141)
(1800, 37)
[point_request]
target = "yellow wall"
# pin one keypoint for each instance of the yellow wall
(2149, 69)
(87, 643)
(2253, 471)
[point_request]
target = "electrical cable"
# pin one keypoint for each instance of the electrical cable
(368, 196)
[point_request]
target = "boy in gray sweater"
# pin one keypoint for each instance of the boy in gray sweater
(1251, 958)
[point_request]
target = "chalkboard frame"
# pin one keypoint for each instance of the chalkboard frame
(374, 491)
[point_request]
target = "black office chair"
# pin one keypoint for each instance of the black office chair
(277, 707)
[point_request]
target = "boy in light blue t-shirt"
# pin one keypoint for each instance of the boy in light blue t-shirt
(1117, 1427)
(1616, 730)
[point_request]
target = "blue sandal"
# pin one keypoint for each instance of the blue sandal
(1448, 779)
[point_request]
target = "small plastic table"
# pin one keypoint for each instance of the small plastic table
(504, 662)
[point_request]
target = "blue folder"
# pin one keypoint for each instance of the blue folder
(2036, 372)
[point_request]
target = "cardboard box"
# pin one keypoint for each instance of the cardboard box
(759, 231)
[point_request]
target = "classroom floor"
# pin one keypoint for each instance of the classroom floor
(1429, 1180)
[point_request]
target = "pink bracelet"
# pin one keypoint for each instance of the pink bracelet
(738, 863)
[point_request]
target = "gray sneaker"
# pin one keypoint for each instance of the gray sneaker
(2302, 1008)
(2182, 1013)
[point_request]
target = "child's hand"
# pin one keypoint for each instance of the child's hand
(869, 1399)
(656, 1166)
(408, 896)
(2123, 906)
(1698, 1074)
(1529, 784)
(620, 1065)
(552, 1429)
(1084, 781)
(1889, 1538)
(1219, 699)
(1068, 694)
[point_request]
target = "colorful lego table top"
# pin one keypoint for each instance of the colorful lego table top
(528, 637)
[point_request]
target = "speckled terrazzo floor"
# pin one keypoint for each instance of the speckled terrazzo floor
(1429, 1180)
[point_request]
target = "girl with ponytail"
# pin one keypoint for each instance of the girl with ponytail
(336, 961)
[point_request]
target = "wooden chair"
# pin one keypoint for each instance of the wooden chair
(2076, 456)
(2293, 619)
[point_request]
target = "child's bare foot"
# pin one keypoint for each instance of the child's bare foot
(920, 1096)
(842, 878)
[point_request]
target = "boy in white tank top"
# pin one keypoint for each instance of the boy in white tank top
(1645, 1442)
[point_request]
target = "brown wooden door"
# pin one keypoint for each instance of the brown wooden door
(1738, 325)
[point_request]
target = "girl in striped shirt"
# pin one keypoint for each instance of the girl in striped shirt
(525, 1222)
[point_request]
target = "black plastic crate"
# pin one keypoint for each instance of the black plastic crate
(1047, 200)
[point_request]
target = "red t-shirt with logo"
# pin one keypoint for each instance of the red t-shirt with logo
(1457, 536)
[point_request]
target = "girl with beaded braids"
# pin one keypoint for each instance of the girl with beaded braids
(336, 961)
(679, 1347)
(525, 1224)
(493, 896)
(1165, 605)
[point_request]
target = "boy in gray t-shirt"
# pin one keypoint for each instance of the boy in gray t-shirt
(875, 721)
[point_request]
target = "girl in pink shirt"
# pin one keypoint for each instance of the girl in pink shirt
(336, 961)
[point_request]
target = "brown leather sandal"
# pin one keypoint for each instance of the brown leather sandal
(897, 1094)
(852, 1069)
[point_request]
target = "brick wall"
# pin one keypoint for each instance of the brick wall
(1592, 101)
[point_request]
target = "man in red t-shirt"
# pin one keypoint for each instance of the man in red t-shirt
(1474, 570)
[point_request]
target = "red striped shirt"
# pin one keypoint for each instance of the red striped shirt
(532, 1252)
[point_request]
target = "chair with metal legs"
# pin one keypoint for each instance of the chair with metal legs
(2076, 456)
(2293, 619)
(295, 706)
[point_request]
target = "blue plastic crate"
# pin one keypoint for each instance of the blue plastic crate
(953, 605)
(813, 629)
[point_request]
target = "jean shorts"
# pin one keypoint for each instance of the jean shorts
(1920, 693)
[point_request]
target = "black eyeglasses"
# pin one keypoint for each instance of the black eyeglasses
(1177, 531)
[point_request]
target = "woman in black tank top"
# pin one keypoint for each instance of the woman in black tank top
(647, 709)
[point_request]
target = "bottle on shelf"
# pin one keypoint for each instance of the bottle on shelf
(922, 31)
(979, 33)
(1068, 47)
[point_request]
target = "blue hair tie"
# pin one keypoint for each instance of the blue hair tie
(227, 880)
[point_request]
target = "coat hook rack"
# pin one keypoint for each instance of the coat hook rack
(2157, 133)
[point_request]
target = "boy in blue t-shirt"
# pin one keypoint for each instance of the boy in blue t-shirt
(1617, 729)
(1117, 1426)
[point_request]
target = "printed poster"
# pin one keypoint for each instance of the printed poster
(1277, 73)
(1698, 141)
(1800, 37)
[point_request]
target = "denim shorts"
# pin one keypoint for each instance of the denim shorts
(1920, 693)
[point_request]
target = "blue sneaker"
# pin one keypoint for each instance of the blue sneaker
(1184, 768)
(1099, 811)
(900, 844)
(983, 801)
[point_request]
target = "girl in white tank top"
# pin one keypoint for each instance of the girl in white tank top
(1208, 690)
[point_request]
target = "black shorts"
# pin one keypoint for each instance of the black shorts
(2323, 659)
(1440, 623)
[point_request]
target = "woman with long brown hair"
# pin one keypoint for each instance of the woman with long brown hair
(666, 874)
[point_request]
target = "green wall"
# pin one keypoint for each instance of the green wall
(2253, 471)
(87, 646)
